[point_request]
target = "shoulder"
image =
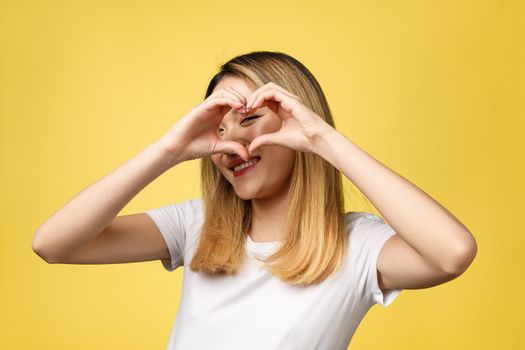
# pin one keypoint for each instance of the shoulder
(190, 207)
(193, 211)
(366, 230)
(177, 215)
(195, 205)
(355, 219)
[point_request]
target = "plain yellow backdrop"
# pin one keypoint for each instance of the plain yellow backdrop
(432, 89)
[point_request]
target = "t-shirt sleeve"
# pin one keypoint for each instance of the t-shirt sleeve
(368, 236)
(172, 221)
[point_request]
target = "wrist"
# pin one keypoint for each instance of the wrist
(325, 144)
(167, 157)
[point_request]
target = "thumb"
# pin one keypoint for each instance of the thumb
(232, 147)
(266, 139)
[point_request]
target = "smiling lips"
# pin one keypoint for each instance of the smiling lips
(245, 167)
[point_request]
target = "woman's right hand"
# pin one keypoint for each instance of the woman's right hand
(195, 135)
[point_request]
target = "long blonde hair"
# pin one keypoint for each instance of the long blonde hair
(315, 239)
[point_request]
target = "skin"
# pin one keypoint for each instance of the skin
(431, 246)
(267, 184)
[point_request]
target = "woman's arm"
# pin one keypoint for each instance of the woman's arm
(432, 246)
(440, 240)
(69, 235)
(90, 211)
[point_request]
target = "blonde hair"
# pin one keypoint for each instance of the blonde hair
(315, 239)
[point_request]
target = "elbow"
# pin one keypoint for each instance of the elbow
(462, 258)
(38, 248)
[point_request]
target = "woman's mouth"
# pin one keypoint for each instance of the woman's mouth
(243, 168)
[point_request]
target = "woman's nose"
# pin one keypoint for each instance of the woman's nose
(239, 137)
(236, 133)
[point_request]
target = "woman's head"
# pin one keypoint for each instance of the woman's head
(315, 214)
(245, 74)
(274, 164)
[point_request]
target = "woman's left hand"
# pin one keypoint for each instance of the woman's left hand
(301, 128)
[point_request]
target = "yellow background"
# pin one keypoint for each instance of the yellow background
(433, 89)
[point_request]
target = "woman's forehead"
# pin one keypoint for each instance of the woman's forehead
(237, 84)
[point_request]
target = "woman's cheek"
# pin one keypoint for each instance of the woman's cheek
(215, 159)
(269, 126)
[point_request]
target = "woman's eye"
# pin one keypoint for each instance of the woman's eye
(247, 118)
(251, 117)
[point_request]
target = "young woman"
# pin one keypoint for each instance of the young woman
(272, 260)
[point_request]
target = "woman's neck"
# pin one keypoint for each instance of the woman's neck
(268, 218)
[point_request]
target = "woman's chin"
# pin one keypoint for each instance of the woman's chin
(244, 195)
(248, 192)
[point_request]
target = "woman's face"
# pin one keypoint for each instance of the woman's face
(271, 174)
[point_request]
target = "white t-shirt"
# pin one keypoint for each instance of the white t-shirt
(255, 310)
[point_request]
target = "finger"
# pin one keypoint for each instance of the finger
(214, 110)
(266, 87)
(272, 85)
(266, 139)
(231, 147)
(286, 102)
(238, 94)
(221, 101)
(229, 92)
(215, 94)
